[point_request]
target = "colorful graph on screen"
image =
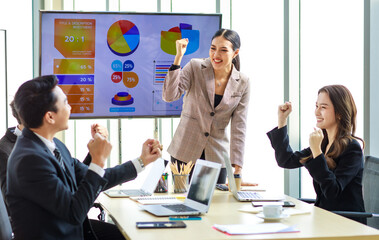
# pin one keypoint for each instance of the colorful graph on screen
(168, 38)
(123, 72)
(114, 64)
(75, 38)
(123, 38)
(122, 98)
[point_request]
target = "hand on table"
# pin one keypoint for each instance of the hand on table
(243, 183)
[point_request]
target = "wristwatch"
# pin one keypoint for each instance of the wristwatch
(141, 162)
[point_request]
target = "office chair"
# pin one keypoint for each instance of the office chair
(370, 194)
(101, 216)
(5, 225)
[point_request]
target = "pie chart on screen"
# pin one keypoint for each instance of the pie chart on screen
(123, 37)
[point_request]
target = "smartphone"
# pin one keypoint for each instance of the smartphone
(169, 224)
(284, 204)
(222, 187)
(288, 204)
(182, 218)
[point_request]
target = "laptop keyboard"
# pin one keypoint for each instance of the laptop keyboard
(135, 192)
(179, 208)
(249, 195)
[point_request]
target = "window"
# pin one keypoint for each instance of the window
(331, 53)
(260, 27)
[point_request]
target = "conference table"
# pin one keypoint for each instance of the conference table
(313, 223)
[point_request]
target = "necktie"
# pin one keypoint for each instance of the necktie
(70, 181)
(58, 156)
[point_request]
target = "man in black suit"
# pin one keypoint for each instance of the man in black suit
(49, 193)
(7, 143)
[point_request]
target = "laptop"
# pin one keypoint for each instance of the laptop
(148, 186)
(247, 196)
(200, 193)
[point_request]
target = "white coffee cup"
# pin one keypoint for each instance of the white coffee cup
(272, 211)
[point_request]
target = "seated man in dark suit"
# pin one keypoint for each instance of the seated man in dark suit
(7, 143)
(49, 193)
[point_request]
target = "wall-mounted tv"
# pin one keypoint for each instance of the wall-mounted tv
(113, 64)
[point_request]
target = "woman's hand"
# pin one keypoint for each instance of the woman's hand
(243, 183)
(315, 139)
(284, 111)
(181, 47)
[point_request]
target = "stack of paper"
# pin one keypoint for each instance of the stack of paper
(239, 229)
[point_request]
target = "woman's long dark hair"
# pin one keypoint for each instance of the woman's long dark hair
(234, 38)
(346, 114)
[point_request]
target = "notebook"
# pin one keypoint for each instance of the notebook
(155, 199)
(148, 185)
(247, 196)
(199, 195)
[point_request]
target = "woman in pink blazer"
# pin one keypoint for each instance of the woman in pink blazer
(215, 93)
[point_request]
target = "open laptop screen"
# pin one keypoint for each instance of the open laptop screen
(202, 183)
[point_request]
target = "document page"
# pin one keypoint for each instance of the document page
(239, 229)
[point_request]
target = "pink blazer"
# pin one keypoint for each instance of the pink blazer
(202, 127)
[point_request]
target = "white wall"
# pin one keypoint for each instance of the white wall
(18, 23)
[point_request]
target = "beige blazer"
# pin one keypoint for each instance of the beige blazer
(202, 127)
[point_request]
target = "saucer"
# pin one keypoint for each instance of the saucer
(283, 216)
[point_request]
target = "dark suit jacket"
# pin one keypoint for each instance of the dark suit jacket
(339, 189)
(6, 145)
(43, 202)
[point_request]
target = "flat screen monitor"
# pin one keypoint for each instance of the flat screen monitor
(113, 64)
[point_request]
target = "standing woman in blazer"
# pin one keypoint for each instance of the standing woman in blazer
(215, 93)
(334, 158)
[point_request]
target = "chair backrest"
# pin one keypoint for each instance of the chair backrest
(370, 189)
(5, 225)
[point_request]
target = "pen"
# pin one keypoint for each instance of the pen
(183, 218)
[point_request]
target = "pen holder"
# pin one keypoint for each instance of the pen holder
(162, 185)
(180, 183)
